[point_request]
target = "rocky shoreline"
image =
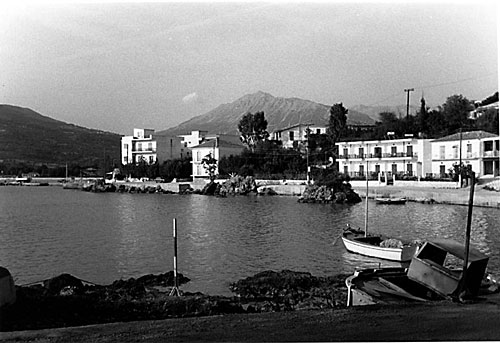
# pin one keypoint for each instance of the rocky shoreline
(65, 300)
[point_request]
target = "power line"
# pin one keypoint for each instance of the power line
(436, 85)
(454, 82)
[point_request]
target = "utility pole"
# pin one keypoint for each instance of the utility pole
(408, 90)
(307, 154)
(460, 160)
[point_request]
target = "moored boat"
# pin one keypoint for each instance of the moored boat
(391, 201)
(373, 245)
(378, 246)
(434, 273)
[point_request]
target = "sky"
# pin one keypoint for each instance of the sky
(118, 66)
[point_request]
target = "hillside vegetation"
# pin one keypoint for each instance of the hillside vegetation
(31, 138)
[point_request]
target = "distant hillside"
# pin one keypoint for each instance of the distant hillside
(279, 113)
(27, 136)
(374, 111)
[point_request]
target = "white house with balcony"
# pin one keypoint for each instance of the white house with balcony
(296, 133)
(145, 145)
(477, 149)
(392, 158)
(217, 146)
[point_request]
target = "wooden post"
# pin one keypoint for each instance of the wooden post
(175, 289)
(366, 201)
(467, 236)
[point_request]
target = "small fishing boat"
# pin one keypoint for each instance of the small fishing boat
(434, 273)
(391, 201)
(378, 246)
(385, 286)
(361, 242)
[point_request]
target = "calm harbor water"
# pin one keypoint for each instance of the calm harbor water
(46, 231)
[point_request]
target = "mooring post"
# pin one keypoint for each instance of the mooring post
(462, 284)
(175, 289)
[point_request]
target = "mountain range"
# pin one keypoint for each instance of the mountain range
(279, 113)
(29, 137)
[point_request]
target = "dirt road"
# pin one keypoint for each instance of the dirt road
(435, 322)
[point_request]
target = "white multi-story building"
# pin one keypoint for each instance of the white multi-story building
(399, 157)
(193, 139)
(216, 146)
(296, 133)
(145, 145)
(477, 149)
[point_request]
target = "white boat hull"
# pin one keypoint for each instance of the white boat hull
(403, 254)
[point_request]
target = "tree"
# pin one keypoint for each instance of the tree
(423, 117)
(456, 112)
(252, 128)
(337, 123)
(210, 165)
(488, 121)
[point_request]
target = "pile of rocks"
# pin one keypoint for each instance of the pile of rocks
(68, 301)
(288, 290)
(323, 194)
(236, 185)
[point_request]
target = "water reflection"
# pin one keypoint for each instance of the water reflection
(104, 237)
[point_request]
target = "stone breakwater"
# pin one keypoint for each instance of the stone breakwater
(68, 301)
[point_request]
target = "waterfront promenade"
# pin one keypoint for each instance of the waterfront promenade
(451, 196)
(427, 192)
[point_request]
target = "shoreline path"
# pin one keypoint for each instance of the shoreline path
(451, 196)
(425, 322)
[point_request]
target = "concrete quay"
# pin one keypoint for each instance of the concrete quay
(425, 192)
(450, 196)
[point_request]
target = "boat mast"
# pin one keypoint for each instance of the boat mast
(366, 201)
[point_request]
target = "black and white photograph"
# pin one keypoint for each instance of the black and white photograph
(242, 171)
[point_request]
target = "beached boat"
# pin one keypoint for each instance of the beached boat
(391, 201)
(385, 286)
(443, 266)
(433, 274)
(7, 288)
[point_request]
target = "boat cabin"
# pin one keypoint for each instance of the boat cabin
(439, 266)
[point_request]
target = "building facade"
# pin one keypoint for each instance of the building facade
(217, 146)
(146, 146)
(193, 139)
(477, 149)
(296, 133)
(408, 157)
